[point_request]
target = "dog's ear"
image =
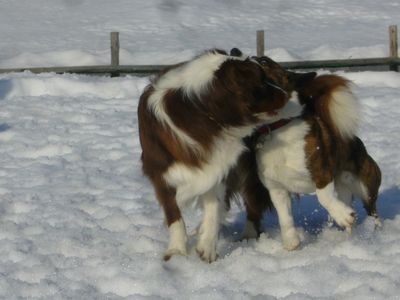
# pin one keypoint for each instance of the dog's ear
(302, 82)
(301, 79)
(236, 52)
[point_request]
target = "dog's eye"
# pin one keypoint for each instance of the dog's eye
(264, 62)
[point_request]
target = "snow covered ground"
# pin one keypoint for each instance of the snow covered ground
(77, 218)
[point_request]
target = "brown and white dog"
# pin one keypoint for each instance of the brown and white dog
(192, 119)
(316, 152)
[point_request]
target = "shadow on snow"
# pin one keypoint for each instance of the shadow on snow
(312, 217)
(4, 127)
(5, 87)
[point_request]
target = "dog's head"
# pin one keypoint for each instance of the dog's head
(276, 86)
(287, 80)
(251, 93)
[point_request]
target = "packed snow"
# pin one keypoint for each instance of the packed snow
(77, 218)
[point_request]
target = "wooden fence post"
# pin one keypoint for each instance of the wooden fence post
(114, 48)
(393, 46)
(260, 43)
(114, 36)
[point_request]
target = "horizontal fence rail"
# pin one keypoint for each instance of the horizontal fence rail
(391, 62)
(93, 70)
(152, 69)
(344, 63)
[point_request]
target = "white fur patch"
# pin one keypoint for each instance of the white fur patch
(282, 161)
(345, 113)
(191, 182)
(327, 195)
(156, 104)
(292, 109)
(193, 77)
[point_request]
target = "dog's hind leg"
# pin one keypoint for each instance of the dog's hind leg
(366, 177)
(209, 229)
(283, 204)
(370, 176)
(256, 196)
(367, 187)
(257, 201)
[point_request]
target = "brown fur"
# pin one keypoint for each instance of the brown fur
(336, 153)
(335, 156)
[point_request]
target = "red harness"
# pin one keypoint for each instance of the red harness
(268, 128)
(263, 132)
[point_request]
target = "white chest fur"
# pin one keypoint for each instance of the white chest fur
(281, 159)
(191, 182)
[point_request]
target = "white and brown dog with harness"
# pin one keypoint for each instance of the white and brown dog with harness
(317, 151)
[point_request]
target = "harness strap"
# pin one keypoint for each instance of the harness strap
(268, 128)
(264, 132)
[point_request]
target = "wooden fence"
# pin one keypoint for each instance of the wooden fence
(391, 62)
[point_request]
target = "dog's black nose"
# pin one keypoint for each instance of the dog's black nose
(236, 52)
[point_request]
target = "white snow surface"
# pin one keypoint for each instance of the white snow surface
(36, 33)
(77, 218)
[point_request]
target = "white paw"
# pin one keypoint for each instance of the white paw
(174, 251)
(378, 223)
(207, 250)
(291, 240)
(343, 215)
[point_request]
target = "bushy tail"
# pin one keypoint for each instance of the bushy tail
(335, 104)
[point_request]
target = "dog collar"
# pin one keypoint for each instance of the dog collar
(264, 132)
(266, 129)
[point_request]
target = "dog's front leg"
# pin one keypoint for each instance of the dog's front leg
(177, 239)
(208, 233)
(342, 214)
(176, 225)
(344, 194)
(283, 204)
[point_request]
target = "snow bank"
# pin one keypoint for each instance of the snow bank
(76, 32)
(46, 84)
